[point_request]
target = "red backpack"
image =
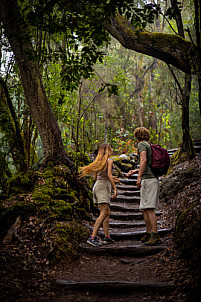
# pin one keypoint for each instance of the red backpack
(160, 160)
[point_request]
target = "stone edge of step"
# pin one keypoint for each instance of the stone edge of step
(114, 285)
(136, 234)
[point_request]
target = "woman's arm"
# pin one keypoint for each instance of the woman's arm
(95, 175)
(111, 179)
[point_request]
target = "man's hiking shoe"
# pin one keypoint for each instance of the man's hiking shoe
(94, 241)
(108, 240)
(146, 237)
(154, 239)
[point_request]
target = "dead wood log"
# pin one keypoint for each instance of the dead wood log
(13, 232)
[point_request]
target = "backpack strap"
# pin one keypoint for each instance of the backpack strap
(148, 147)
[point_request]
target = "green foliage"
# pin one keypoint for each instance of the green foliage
(140, 15)
(66, 238)
(98, 90)
(171, 12)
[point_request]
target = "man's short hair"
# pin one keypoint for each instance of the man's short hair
(142, 133)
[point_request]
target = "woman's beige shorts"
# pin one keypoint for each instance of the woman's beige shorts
(102, 191)
(149, 194)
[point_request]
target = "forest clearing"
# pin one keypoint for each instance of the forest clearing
(75, 75)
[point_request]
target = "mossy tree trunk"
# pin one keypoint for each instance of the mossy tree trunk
(17, 33)
(187, 143)
(170, 48)
(10, 127)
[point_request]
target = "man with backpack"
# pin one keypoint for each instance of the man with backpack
(148, 183)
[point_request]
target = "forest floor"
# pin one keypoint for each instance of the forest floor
(37, 282)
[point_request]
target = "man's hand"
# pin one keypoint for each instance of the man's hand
(116, 179)
(138, 184)
(132, 172)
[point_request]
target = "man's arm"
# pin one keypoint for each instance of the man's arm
(143, 163)
(132, 172)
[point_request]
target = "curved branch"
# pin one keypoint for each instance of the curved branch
(169, 48)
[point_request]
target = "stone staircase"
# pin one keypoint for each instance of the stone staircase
(126, 224)
(136, 280)
(126, 228)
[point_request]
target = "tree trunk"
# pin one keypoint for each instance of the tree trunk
(18, 35)
(10, 126)
(187, 143)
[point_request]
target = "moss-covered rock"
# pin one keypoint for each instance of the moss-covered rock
(66, 237)
(181, 175)
(45, 193)
(21, 182)
(188, 233)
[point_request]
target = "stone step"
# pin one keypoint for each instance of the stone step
(127, 181)
(172, 150)
(127, 188)
(130, 226)
(197, 148)
(120, 235)
(129, 232)
(133, 176)
(114, 286)
(126, 216)
(134, 250)
(135, 234)
(129, 215)
(128, 193)
(128, 199)
(131, 221)
(127, 225)
(120, 207)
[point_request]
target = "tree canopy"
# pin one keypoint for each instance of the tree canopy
(74, 34)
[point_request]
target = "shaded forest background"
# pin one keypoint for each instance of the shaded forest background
(97, 89)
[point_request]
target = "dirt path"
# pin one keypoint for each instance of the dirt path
(126, 270)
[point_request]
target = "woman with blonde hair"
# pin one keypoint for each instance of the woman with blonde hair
(102, 169)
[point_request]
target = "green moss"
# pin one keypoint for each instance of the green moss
(40, 197)
(48, 174)
(67, 237)
(21, 182)
(177, 158)
(62, 209)
(60, 192)
(62, 171)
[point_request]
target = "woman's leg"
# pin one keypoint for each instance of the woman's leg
(104, 212)
(106, 223)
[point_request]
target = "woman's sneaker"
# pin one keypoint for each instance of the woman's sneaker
(108, 240)
(94, 241)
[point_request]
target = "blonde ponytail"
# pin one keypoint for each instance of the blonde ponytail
(100, 163)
